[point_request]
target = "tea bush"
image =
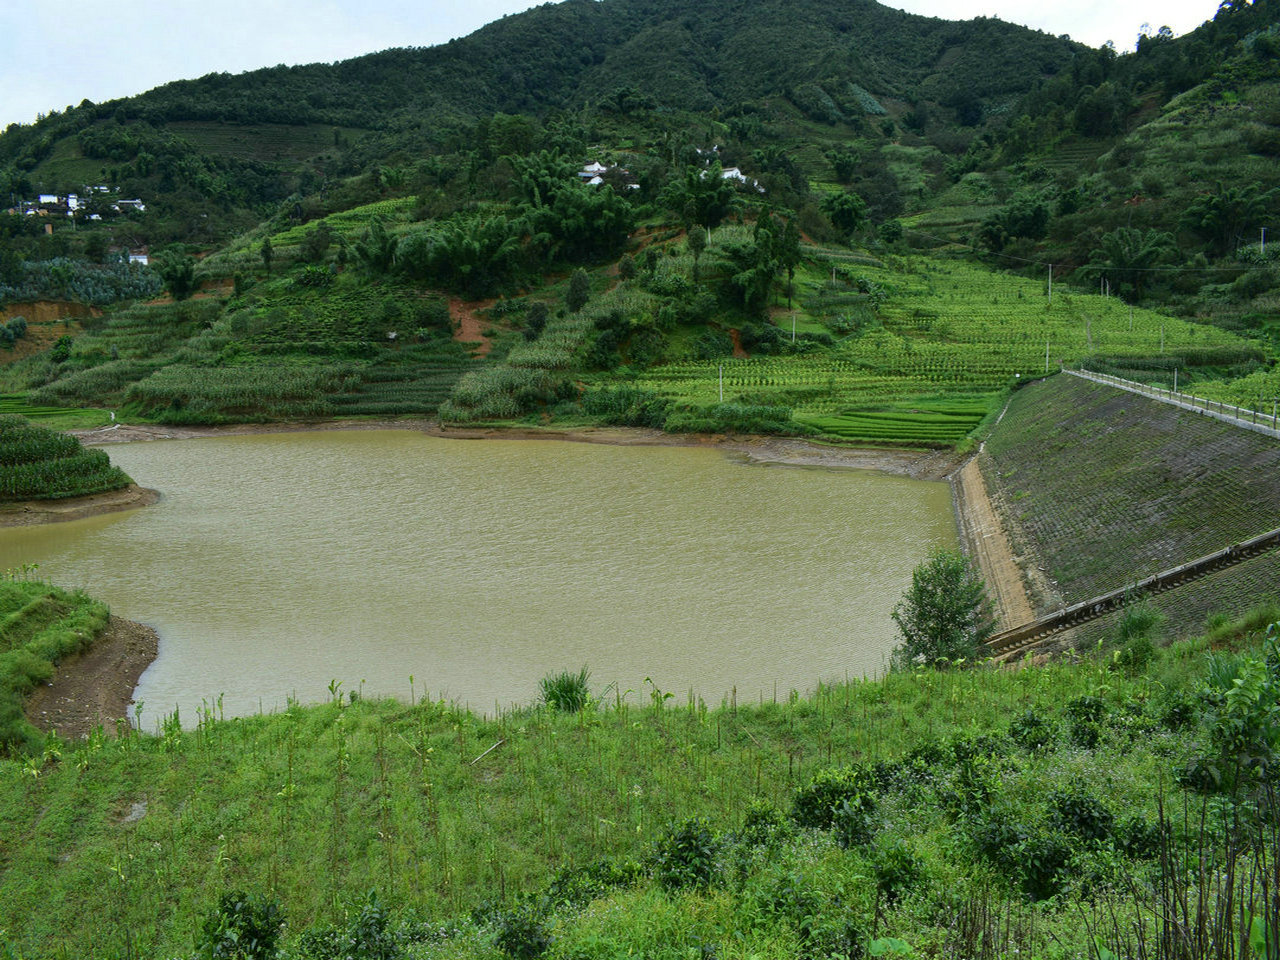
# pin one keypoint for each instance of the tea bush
(686, 856)
(242, 927)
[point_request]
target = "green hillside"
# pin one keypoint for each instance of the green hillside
(382, 236)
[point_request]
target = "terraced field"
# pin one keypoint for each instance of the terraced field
(938, 337)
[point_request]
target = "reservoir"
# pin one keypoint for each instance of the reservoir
(277, 564)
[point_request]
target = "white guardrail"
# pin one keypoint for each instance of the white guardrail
(1226, 412)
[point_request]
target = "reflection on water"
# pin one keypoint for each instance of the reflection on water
(275, 564)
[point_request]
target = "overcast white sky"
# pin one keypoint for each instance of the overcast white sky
(55, 53)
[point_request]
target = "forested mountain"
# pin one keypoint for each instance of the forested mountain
(383, 211)
(834, 61)
(691, 55)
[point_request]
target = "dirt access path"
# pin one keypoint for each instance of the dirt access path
(982, 531)
(95, 688)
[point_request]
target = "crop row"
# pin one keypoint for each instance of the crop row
(22, 442)
(19, 404)
(86, 473)
(38, 463)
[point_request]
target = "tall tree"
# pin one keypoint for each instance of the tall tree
(579, 291)
(944, 616)
(1221, 216)
(1126, 256)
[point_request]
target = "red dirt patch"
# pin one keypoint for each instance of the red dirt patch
(739, 351)
(47, 320)
(468, 325)
(49, 311)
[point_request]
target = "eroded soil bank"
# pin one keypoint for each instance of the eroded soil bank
(95, 688)
(917, 464)
(26, 512)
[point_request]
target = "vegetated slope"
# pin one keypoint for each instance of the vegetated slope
(286, 351)
(909, 349)
(1108, 487)
(37, 463)
(910, 807)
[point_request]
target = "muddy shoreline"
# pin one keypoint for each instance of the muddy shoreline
(95, 688)
(28, 512)
(790, 451)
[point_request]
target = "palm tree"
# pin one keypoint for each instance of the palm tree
(1126, 255)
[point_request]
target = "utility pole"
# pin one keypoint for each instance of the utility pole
(793, 326)
(1175, 379)
(1051, 284)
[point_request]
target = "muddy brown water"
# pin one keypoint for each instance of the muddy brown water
(274, 565)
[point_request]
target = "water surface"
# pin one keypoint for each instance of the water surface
(276, 564)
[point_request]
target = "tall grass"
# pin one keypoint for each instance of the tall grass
(566, 691)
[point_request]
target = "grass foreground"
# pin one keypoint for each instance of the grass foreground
(1057, 811)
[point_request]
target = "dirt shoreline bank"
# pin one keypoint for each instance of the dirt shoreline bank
(28, 512)
(95, 688)
(789, 451)
(983, 534)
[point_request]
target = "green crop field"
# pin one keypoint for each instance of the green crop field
(814, 826)
(910, 329)
(37, 463)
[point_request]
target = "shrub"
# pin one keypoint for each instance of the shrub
(761, 824)
(579, 291)
(521, 933)
(897, 869)
(686, 856)
(843, 797)
(944, 616)
(1241, 721)
(566, 691)
(1078, 812)
(997, 837)
(1042, 863)
(242, 927)
(1086, 715)
(1032, 732)
(627, 406)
